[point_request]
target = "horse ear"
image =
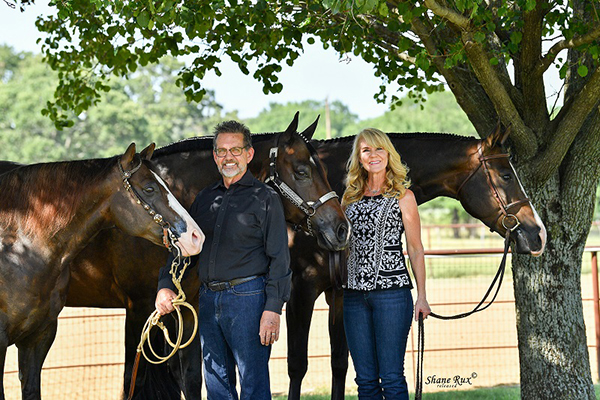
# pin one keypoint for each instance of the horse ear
(310, 131)
(146, 154)
(288, 135)
(293, 127)
(505, 135)
(498, 136)
(127, 157)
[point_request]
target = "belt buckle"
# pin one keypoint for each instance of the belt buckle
(217, 286)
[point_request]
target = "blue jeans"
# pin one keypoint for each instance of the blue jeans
(377, 324)
(229, 323)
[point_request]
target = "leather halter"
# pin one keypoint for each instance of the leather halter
(504, 208)
(308, 207)
(168, 236)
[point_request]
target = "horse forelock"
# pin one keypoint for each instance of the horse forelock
(41, 199)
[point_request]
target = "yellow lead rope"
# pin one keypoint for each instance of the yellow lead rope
(154, 320)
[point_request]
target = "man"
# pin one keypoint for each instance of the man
(244, 269)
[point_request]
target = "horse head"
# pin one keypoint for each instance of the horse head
(493, 193)
(145, 207)
(297, 173)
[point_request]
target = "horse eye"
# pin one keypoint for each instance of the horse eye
(302, 173)
(148, 189)
(507, 177)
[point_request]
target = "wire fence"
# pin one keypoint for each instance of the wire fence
(86, 360)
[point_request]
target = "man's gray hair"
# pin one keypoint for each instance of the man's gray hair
(233, 126)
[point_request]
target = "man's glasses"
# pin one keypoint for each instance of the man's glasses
(235, 151)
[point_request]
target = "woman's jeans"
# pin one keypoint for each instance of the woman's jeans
(229, 322)
(377, 324)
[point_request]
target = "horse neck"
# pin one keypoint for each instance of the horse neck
(188, 171)
(53, 206)
(259, 166)
(438, 166)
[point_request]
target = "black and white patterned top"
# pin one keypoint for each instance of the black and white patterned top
(376, 260)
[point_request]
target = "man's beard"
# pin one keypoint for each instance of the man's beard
(231, 171)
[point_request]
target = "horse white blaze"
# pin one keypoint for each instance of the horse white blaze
(538, 220)
(192, 239)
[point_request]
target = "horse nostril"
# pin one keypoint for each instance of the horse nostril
(342, 232)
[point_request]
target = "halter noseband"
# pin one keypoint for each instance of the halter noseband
(308, 207)
(506, 216)
(169, 237)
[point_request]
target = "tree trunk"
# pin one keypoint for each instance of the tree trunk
(553, 352)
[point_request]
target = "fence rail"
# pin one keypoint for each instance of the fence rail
(86, 360)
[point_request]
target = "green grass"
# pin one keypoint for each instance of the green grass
(496, 393)
(493, 393)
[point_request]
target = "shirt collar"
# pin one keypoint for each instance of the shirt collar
(246, 180)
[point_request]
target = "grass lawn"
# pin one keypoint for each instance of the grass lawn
(494, 393)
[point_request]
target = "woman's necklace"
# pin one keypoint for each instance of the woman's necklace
(373, 191)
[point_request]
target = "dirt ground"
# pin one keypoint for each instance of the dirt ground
(85, 361)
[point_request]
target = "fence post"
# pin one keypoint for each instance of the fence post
(596, 306)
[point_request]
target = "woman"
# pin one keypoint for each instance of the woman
(378, 304)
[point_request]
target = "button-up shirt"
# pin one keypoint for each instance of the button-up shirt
(246, 235)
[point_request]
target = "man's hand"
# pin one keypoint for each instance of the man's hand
(269, 328)
(164, 301)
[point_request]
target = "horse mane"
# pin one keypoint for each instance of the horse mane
(407, 135)
(199, 143)
(41, 199)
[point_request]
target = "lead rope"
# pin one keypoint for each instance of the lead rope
(154, 320)
(477, 308)
(420, 350)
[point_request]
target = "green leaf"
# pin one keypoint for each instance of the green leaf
(383, 9)
(493, 61)
(582, 71)
(143, 19)
(516, 37)
(530, 5)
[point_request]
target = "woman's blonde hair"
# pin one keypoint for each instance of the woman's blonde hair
(396, 181)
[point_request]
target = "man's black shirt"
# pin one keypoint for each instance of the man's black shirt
(246, 235)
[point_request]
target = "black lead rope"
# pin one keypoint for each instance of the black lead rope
(478, 307)
(420, 348)
(497, 278)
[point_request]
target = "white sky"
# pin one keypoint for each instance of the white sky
(316, 75)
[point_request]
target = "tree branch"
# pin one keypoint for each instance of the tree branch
(576, 41)
(570, 125)
(535, 110)
(457, 19)
(522, 136)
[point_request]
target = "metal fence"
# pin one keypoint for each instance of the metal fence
(86, 358)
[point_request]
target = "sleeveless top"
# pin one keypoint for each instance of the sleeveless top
(376, 260)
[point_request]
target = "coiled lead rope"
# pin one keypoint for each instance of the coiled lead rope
(154, 320)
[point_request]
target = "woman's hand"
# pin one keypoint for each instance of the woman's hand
(422, 306)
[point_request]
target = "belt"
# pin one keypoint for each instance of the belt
(217, 286)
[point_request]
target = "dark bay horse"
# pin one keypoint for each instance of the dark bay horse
(106, 272)
(475, 172)
(48, 213)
